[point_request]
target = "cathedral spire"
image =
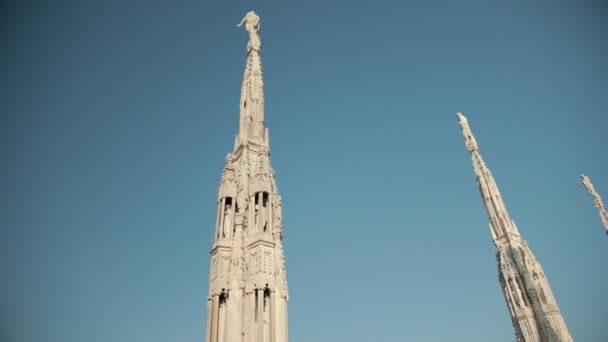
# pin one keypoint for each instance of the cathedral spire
(248, 293)
(251, 117)
(597, 200)
(534, 312)
(501, 225)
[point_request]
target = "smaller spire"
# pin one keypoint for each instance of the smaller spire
(597, 200)
(501, 224)
(534, 312)
(251, 117)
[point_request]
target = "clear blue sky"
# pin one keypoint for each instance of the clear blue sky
(117, 116)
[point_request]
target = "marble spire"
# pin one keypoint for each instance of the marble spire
(248, 294)
(597, 201)
(251, 118)
(534, 311)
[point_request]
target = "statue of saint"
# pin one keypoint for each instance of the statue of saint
(541, 293)
(263, 218)
(252, 25)
(588, 185)
(519, 287)
(256, 223)
(514, 292)
(227, 231)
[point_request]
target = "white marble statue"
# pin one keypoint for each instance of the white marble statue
(597, 201)
(228, 221)
(257, 219)
(263, 218)
(589, 186)
(252, 25)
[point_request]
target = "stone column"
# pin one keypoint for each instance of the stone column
(251, 216)
(214, 320)
(286, 322)
(222, 208)
(209, 316)
(251, 327)
(273, 325)
(217, 221)
(232, 214)
(221, 323)
(279, 314)
(270, 220)
(260, 315)
(259, 227)
(234, 316)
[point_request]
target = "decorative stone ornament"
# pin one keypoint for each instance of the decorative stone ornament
(597, 201)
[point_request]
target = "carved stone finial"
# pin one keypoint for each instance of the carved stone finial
(469, 139)
(597, 201)
(252, 25)
(588, 185)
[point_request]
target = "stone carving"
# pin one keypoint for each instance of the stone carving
(241, 201)
(256, 220)
(515, 293)
(213, 269)
(267, 265)
(280, 268)
(277, 215)
(263, 218)
(252, 25)
(541, 293)
(227, 229)
(228, 184)
(589, 186)
(524, 294)
(262, 173)
(219, 271)
(597, 201)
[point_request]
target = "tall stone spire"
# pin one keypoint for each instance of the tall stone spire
(534, 312)
(248, 295)
(251, 118)
(597, 200)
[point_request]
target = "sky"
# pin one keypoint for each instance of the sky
(117, 117)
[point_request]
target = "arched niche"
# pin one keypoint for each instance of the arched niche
(261, 213)
(225, 219)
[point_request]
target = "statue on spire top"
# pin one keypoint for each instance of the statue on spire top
(597, 200)
(252, 25)
(590, 188)
(470, 141)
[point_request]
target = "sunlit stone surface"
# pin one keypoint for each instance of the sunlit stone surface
(248, 283)
(534, 311)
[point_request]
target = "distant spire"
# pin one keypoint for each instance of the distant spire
(597, 200)
(251, 118)
(501, 224)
